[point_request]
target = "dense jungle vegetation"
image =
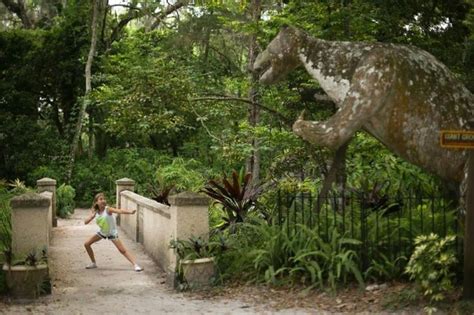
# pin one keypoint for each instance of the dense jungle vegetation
(161, 92)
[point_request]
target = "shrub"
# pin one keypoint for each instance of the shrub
(181, 174)
(65, 200)
(5, 217)
(431, 266)
(53, 171)
(268, 253)
(194, 248)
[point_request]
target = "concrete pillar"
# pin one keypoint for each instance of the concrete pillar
(30, 224)
(49, 184)
(121, 185)
(189, 217)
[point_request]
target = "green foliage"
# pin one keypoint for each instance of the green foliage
(370, 164)
(237, 197)
(160, 194)
(19, 132)
(65, 200)
(182, 174)
(95, 175)
(384, 268)
(268, 253)
(18, 187)
(50, 171)
(150, 107)
(197, 247)
(8, 190)
(153, 171)
(431, 266)
(41, 75)
(5, 217)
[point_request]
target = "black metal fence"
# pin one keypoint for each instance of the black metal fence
(385, 226)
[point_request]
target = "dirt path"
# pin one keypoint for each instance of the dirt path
(114, 287)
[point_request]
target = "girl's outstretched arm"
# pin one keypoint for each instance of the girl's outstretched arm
(90, 217)
(121, 211)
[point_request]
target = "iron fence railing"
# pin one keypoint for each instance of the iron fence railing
(385, 226)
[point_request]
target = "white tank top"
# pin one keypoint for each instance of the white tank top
(106, 223)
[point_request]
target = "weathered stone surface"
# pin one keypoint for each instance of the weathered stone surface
(125, 182)
(46, 182)
(188, 199)
(401, 95)
(29, 200)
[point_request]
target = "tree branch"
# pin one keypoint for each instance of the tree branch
(244, 100)
(136, 13)
(169, 9)
(19, 9)
(133, 13)
(201, 120)
(88, 75)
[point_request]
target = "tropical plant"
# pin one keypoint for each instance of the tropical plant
(192, 248)
(384, 268)
(18, 186)
(334, 261)
(199, 247)
(275, 255)
(237, 196)
(159, 193)
(431, 266)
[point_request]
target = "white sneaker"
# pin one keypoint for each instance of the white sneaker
(138, 268)
(91, 266)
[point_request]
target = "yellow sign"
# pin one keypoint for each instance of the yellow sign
(460, 139)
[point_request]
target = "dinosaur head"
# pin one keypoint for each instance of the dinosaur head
(280, 56)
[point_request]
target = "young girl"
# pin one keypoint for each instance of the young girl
(107, 229)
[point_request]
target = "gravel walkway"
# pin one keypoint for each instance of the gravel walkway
(114, 287)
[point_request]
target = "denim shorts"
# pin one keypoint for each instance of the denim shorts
(107, 237)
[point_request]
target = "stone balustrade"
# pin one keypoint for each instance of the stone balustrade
(31, 223)
(155, 224)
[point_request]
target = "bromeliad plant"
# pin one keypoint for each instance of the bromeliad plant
(237, 196)
(160, 193)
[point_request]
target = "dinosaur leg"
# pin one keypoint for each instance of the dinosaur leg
(371, 86)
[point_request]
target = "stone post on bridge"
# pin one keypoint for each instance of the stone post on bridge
(189, 217)
(49, 184)
(121, 185)
(30, 224)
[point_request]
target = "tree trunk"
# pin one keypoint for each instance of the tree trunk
(88, 75)
(19, 9)
(90, 148)
(253, 161)
(337, 172)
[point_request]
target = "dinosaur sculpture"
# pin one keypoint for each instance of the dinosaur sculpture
(399, 94)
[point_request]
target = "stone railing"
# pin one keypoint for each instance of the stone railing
(33, 217)
(154, 224)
